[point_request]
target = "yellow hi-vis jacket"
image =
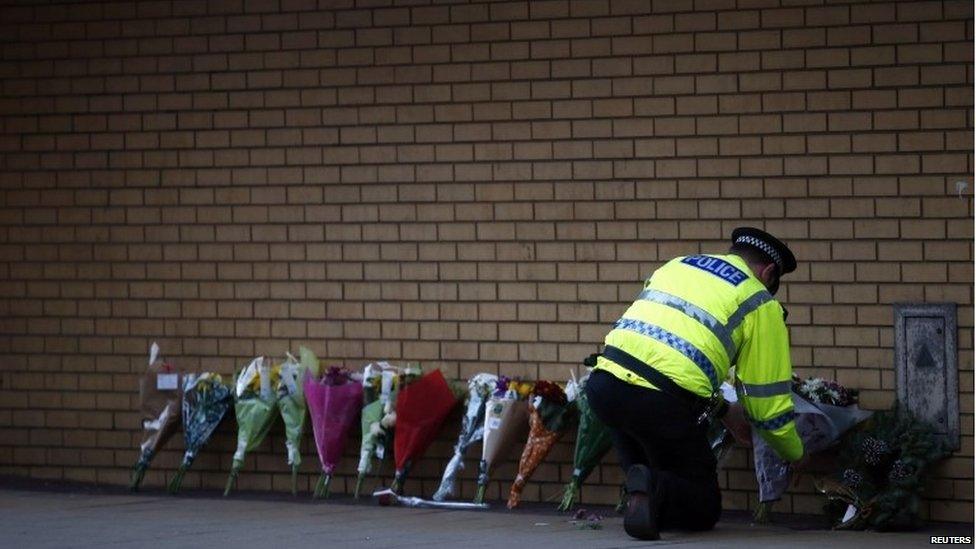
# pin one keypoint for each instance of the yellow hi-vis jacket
(696, 317)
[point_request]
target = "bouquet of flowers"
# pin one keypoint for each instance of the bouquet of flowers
(205, 403)
(290, 393)
(821, 391)
(480, 388)
(593, 441)
(550, 412)
(422, 406)
(824, 412)
(378, 416)
(159, 404)
(882, 473)
(333, 402)
(254, 406)
(506, 417)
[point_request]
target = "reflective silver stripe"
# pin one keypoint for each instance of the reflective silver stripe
(721, 331)
(775, 422)
(749, 305)
(694, 311)
(752, 303)
(675, 342)
(764, 390)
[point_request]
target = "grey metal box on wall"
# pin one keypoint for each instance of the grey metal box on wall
(926, 365)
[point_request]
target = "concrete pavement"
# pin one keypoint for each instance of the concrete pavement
(86, 518)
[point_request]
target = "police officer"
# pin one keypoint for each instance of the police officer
(657, 381)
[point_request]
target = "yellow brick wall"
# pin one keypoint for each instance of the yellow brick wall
(476, 186)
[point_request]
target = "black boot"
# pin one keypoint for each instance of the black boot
(640, 520)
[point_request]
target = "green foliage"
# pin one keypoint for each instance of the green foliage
(882, 471)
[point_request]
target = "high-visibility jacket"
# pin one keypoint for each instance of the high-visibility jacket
(697, 316)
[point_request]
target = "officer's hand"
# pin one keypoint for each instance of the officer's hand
(735, 421)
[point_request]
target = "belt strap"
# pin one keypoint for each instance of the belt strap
(655, 377)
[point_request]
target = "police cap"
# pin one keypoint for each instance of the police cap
(767, 244)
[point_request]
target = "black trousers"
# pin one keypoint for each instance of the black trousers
(657, 430)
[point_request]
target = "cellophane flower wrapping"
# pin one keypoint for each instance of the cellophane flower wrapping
(254, 407)
(206, 400)
(819, 426)
(506, 422)
(334, 404)
(422, 406)
(160, 393)
(550, 413)
(480, 388)
(388, 498)
(378, 416)
(593, 441)
(291, 404)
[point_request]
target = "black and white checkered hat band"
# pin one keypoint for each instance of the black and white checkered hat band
(769, 250)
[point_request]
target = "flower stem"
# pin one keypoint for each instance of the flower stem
(622, 504)
(231, 479)
(400, 477)
(763, 513)
(294, 480)
(137, 475)
(326, 484)
(359, 485)
(317, 491)
(479, 497)
(570, 495)
(139, 471)
(177, 480)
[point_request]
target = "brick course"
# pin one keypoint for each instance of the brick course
(477, 186)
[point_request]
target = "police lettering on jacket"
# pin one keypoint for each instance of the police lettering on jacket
(713, 265)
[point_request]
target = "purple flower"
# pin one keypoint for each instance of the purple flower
(336, 376)
(501, 386)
